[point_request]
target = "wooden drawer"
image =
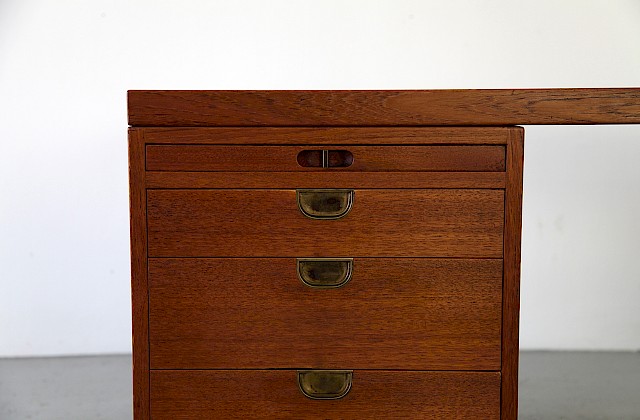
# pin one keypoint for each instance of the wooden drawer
(384, 222)
(404, 313)
(324, 157)
(374, 394)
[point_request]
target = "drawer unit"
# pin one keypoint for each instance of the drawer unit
(341, 273)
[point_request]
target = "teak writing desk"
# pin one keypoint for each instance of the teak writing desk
(333, 254)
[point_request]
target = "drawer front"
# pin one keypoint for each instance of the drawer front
(324, 157)
(241, 223)
(252, 394)
(404, 313)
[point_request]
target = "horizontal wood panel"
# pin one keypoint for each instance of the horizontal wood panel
(373, 180)
(285, 158)
(439, 223)
(422, 314)
(327, 135)
(494, 107)
(374, 395)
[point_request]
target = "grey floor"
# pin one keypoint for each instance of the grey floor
(553, 385)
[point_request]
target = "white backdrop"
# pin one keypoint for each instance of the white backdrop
(65, 67)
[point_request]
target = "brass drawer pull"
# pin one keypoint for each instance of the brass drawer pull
(325, 204)
(325, 273)
(325, 384)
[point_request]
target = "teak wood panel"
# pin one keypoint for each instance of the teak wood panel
(327, 135)
(251, 394)
(241, 223)
(511, 282)
(139, 290)
(482, 107)
(421, 314)
(336, 179)
(284, 158)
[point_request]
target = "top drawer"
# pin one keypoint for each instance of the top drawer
(466, 158)
(325, 223)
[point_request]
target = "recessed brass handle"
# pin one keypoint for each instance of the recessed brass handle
(325, 384)
(325, 204)
(325, 273)
(318, 158)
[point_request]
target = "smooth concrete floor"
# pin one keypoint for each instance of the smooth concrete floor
(553, 385)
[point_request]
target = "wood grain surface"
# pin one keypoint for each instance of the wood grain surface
(139, 291)
(240, 223)
(365, 158)
(511, 282)
(289, 180)
(483, 107)
(403, 313)
(327, 135)
(250, 394)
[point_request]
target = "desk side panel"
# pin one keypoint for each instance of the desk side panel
(511, 279)
(139, 292)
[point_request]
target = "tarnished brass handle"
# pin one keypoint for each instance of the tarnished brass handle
(325, 273)
(325, 384)
(325, 204)
(320, 158)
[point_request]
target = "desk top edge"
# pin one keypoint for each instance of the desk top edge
(381, 108)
